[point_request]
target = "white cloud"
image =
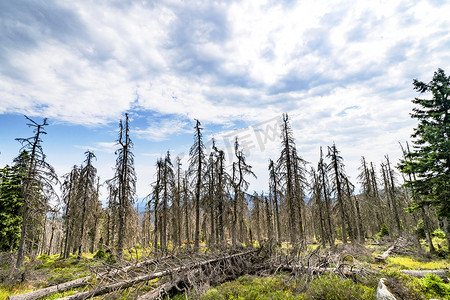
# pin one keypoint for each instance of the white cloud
(106, 147)
(162, 130)
(224, 63)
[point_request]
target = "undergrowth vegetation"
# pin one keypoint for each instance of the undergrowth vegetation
(283, 286)
(48, 270)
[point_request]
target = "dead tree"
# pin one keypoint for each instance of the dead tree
(285, 170)
(176, 204)
(40, 179)
(269, 217)
(186, 209)
(370, 201)
(221, 181)
(336, 168)
(211, 197)
(124, 179)
(70, 198)
(299, 183)
(318, 206)
(240, 185)
(323, 179)
(196, 170)
(273, 187)
(88, 176)
(167, 187)
(392, 193)
(112, 213)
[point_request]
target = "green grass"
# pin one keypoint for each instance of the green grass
(285, 287)
(430, 287)
(410, 263)
(334, 288)
(15, 290)
(59, 295)
(249, 287)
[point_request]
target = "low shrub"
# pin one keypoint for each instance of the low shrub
(333, 288)
(434, 286)
(249, 287)
(438, 233)
(100, 254)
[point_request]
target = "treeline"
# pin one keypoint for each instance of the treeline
(206, 201)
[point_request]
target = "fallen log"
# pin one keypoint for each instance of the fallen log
(385, 254)
(51, 290)
(422, 273)
(106, 289)
(59, 288)
(318, 271)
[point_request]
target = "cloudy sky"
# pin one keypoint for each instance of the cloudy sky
(342, 70)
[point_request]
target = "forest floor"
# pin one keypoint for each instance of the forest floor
(288, 277)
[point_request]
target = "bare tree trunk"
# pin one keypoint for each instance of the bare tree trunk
(426, 227)
(49, 251)
(392, 194)
(269, 220)
(360, 224)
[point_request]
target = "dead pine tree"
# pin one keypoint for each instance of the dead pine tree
(196, 170)
(69, 189)
(269, 222)
(125, 180)
(167, 186)
(220, 188)
(318, 206)
(274, 192)
(176, 220)
(392, 192)
(299, 174)
(40, 179)
(239, 170)
(112, 213)
(186, 209)
(285, 169)
(336, 167)
(389, 189)
(211, 199)
(88, 176)
(325, 186)
(155, 198)
(370, 197)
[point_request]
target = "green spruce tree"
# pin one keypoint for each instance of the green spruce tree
(429, 159)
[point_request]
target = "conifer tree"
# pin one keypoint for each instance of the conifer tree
(429, 159)
(11, 202)
(125, 180)
(196, 170)
(336, 168)
(38, 184)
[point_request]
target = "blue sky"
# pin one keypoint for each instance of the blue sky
(343, 70)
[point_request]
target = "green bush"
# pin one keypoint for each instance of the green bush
(100, 254)
(439, 234)
(333, 288)
(248, 287)
(434, 286)
(384, 231)
(420, 230)
(44, 257)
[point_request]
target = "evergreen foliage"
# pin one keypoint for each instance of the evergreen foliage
(429, 160)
